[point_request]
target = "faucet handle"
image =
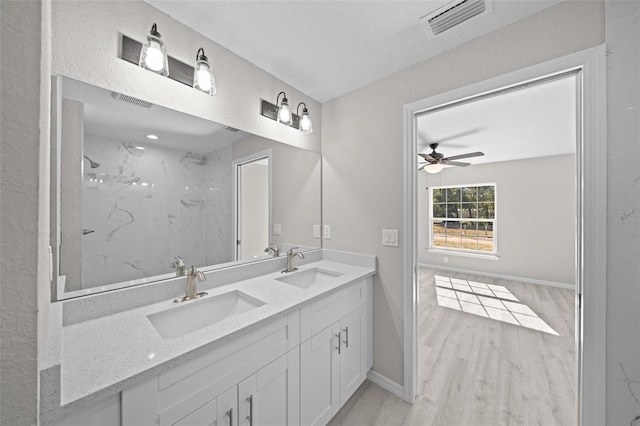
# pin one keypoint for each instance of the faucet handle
(290, 251)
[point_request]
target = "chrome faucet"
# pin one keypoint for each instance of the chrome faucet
(180, 267)
(273, 250)
(193, 278)
(290, 256)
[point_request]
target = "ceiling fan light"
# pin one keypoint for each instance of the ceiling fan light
(433, 168)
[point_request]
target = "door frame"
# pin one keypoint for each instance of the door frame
(591, 259)
(236, 180)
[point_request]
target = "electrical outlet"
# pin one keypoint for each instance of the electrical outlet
(316, 231)
(445, 259)
(277, 229)
(327, 232)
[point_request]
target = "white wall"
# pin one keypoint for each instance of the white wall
(86, 37)
(24, 199)
(623, 211)
(536, 208)
(362, 145)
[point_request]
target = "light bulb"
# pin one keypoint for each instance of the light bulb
(433, 168)
(284, 113)
(155, 58)
(203, 79)
(305, 123)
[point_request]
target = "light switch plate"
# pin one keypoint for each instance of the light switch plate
(327, 232)
(277, 228)
(390, 237)
(316, 231)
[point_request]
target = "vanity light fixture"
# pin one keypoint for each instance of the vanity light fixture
(153, 55)
(304, 123)
(202, 75)
(284, 113)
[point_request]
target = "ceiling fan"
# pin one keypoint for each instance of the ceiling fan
(435, 161)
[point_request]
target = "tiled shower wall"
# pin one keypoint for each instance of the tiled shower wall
(143, 207)
(623, 212)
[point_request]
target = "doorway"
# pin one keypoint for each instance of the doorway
(590, 224)
(252, 205)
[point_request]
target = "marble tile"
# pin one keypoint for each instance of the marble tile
(143, 207)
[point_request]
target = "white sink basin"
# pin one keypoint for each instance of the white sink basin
(197, 314)
(309, 277)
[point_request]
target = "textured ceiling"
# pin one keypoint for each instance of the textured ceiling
(326, 49)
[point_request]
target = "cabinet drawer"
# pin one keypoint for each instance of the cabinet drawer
(320, 314)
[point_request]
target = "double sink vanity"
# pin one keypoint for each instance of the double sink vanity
(262, 347)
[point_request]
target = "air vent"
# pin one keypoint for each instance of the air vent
(231, 129)
(453, 14)
(131, 100)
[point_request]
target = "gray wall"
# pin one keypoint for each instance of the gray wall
(24, 200)
(623, 211)
(362, 145)
(535, 217)
(295, 198)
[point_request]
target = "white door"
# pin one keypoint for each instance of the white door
(253, 207)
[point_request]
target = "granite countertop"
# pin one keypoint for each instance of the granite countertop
(102, 356)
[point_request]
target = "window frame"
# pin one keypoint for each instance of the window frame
(432, 248)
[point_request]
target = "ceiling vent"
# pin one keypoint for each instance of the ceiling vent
(453, 14)
(231, 129)
(131, 100)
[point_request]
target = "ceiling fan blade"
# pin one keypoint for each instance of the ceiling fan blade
(461, 156)
(455, 163)
(427, 157)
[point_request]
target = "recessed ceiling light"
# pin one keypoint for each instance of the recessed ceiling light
(141, 148)
(154, 137)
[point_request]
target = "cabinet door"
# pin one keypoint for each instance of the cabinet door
(221, 411)
(227, 408)
(319, 377)
(270, 397)
(352, 357)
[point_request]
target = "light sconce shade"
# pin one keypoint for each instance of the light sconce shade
(154, 54)
(304, 123)
(433, 168)
(202, 75)
(284, 113)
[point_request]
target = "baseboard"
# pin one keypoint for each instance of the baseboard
(386, 383)
(500, 276)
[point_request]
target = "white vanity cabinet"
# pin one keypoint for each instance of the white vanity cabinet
(216, 385)
(335, 359)
(298, 368)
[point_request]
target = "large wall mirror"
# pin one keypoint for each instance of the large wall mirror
(137, 185)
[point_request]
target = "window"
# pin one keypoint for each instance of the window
(463, 218)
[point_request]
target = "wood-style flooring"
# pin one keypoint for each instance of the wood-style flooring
(479, 371)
